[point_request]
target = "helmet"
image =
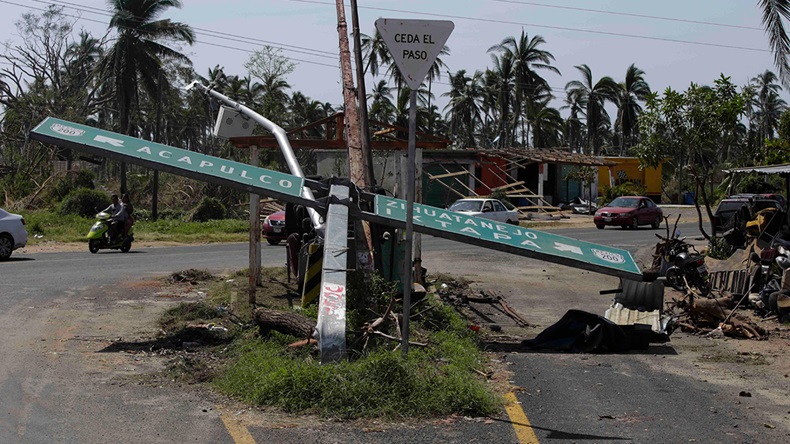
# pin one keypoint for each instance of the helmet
(783, 261)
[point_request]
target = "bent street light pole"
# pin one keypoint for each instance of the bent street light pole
(282, 140)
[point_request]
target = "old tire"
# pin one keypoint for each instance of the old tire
(273, 241)
(94, 245)
(6, 246)
(675, 279)
(656, 223)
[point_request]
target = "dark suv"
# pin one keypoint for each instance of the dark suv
(741, 208)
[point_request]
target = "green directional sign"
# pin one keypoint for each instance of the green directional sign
(167, 158)
(512, 238)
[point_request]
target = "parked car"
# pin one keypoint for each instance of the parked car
(487, 208)
(579, 206)
(12, 233)
(273, 228)
(745, 206)
(629, 212)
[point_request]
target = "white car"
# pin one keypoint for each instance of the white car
(486, 208)
(12, 233)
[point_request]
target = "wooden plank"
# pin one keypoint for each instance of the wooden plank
(451, 188)
(538, 207)
(474, 177)
(471, 191)
(442, 176)
(510, 185)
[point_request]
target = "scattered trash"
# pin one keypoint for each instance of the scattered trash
(191, 276)
(38, 236)
(213, 327)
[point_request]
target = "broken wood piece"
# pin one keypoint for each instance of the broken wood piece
(284, 322)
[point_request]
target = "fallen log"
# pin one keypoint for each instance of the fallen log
(285, 322)
(712, 310)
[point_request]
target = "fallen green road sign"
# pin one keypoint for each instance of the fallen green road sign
(170, 159)
(512, 238)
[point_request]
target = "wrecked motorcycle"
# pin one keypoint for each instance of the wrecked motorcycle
(688, 270)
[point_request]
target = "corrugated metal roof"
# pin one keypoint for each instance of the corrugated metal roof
(764, 169)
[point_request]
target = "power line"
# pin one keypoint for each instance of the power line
(534, 25)
(198, 41)
(628, 14)
(243, 39)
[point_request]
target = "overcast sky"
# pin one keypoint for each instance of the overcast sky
(675, 42)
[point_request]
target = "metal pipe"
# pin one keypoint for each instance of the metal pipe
(282, 139)
(408, 279)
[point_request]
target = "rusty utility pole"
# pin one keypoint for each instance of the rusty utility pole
(364, 128)
(356, 160)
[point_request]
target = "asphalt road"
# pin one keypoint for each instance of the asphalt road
(56, 382)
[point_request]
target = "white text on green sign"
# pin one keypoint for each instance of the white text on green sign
(170, 156)
(511, 235)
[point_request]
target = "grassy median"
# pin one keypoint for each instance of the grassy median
(442, 375)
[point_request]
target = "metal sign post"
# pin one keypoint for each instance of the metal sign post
(414, 45)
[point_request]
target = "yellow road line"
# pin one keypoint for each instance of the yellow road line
(518, 418)
(237, 430)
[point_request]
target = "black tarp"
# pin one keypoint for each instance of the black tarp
(582, 332)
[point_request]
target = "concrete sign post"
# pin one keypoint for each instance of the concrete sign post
(414, 46)
(331, 325)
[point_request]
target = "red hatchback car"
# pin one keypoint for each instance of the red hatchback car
(629, 212)
(274, 228)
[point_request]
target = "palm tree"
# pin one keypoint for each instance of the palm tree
(773, 13)
(547, 124)
(435, 72)
(304, 111)
(769, 105)
(595, 94)
(375, 53)
(630, 92)
(527, 59)
(466, 95)
(505, 85)
(574, 127)
(381, 106)
(137, 56)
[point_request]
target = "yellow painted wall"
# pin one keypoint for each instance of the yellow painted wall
(628, 167)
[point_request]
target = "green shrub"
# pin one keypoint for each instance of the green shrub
(207, 209)
(66, 184)
(718, 248)
(624, 189)
(84, 202)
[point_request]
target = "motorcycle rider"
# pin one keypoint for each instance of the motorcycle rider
(127, 205)
(118, 217)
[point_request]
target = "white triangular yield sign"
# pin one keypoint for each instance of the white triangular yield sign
(414, 45)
